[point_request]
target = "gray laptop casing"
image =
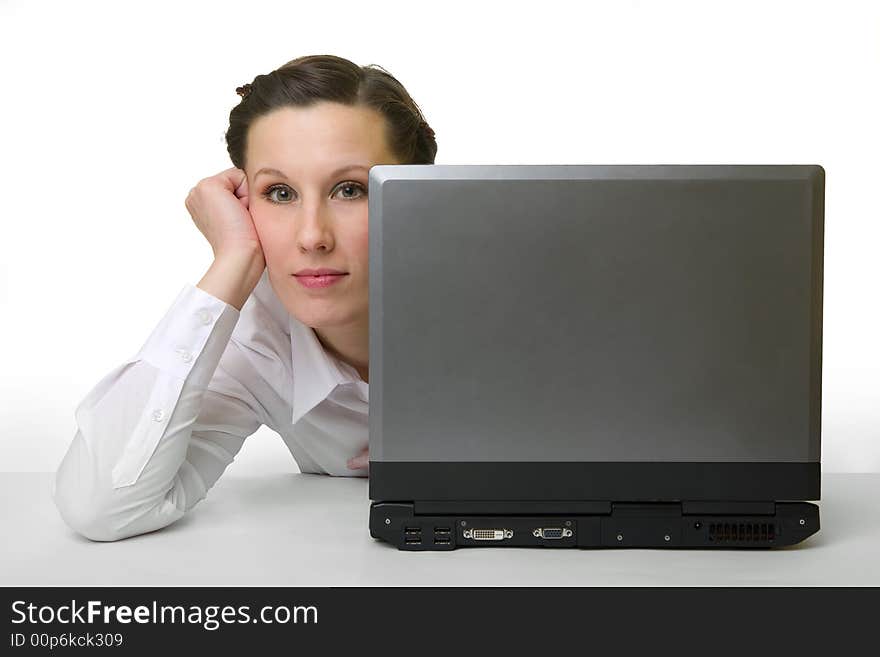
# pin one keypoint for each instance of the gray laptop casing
(530, 324)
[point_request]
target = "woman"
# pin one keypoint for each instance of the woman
(261, 339)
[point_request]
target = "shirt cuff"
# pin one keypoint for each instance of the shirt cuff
(181, 335)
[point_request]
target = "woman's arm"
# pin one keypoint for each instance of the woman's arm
(157, 432)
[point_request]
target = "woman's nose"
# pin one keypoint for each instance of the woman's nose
(313, 228)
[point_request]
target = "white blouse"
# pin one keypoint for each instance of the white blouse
(158, 430)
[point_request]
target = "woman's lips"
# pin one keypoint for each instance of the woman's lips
(313, 282)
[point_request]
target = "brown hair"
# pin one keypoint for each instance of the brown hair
(310, 79)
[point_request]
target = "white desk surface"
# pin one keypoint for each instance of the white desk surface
(311, 530)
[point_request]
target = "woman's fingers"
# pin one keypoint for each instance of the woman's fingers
(362, 460)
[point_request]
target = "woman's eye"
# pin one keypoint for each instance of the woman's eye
(271, 190)
(348, 188)
(351, 185)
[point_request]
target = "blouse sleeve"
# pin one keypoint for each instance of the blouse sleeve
(159, 429)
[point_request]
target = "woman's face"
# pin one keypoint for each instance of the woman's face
(313, 213)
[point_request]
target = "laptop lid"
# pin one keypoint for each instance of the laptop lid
(591, 332)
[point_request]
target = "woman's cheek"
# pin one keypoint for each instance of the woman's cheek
(269, 239)
(362, 241)
(364, 244)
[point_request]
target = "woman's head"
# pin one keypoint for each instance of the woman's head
(309, 121)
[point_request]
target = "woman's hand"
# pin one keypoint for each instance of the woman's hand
(362, 460)
(219, 207)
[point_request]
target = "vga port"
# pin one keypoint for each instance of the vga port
(487, 534)
(551, 532)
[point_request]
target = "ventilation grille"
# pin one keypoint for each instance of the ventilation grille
(743, 531)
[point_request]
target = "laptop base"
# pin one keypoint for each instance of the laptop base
(451, 525)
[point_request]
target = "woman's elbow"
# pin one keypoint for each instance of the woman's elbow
(86, 522)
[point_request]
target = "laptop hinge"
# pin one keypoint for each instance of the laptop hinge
(510, 507)
(728, 508)
(591, 507)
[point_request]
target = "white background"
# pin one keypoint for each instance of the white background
(111, 113)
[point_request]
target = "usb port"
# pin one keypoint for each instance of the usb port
(441, 541)
(441, 531)
(415, 540)
(412, 531)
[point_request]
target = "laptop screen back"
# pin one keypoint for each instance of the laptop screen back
(595, 313)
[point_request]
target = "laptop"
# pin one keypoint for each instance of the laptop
(591, 356)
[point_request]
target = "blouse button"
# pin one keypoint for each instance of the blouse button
(185, 355)
(158, 415)
(205, 317)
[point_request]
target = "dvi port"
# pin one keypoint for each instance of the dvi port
(487, 534)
